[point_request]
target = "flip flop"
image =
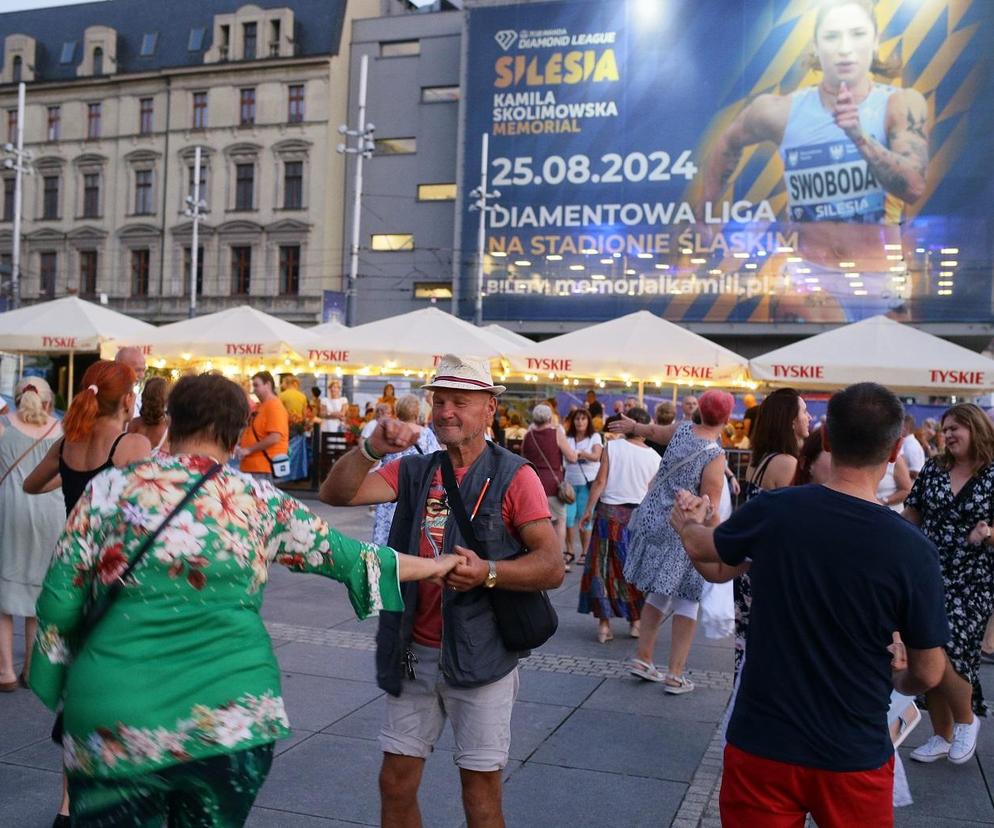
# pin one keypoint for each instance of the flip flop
(644, 670)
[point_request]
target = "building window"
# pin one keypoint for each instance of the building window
(50, 197)
(439, 94)
(8, 199)
(49, 262)
(433, 290)
(54, 122)
(274, 38)
(188, 264)
(190, 172)
(146, 110)
(249, 31)
(241, 270)
(246, 112)
(91, 195)
(139, 271)
(98, 61)
(225, 42)
(93, 120)
(196, 40)
(12, 126)
(392, 242)
(400, 48)
(395, 146)
(149, 39)
(436, 192)
(200, 110)
(68, 52)
(88, 272)
(295, 107)
(289, 269)
(143, 192)
(244, 186)
(293, 185)
(17, 68)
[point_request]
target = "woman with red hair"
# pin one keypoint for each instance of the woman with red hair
(657, 563)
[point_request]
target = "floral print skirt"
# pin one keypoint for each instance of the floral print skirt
(968, 607)
(603, 589)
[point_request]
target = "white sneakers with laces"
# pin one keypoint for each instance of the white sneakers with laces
(933, 750)
(964, 742)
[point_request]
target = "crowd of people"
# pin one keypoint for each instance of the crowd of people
(858, 570)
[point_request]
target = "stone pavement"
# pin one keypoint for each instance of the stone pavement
(590, 746)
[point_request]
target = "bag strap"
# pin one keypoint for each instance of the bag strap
(27, 451)
(686, 461)
(258, 440)
(538, 445)
(457, 506)
(97, 609)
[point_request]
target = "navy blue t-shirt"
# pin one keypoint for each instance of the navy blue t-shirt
(833, 577)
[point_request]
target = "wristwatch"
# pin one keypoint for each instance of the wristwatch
(491, 580)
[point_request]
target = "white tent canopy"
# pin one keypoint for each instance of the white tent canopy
(66, 325)
(515, 339)
(237, 333)
(881, 350)
(639, 346)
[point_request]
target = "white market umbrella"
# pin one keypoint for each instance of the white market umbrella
(512, 337)
(65, 325)
(639, 346)
(881, 350)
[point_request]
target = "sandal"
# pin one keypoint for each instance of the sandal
(677, 685)
(644, 670)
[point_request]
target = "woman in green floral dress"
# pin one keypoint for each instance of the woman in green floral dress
(172, 703)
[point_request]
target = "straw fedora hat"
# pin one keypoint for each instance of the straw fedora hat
(464, 374)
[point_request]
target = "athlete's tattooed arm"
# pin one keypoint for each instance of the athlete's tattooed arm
(901, 166)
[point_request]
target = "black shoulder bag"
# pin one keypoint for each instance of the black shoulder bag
(525, 620)
(96, 608)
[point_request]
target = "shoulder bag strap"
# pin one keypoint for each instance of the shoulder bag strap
(457, 505)
(538, 445)
(258, 439)
(97, 609)
(27, 451)
(686, 461)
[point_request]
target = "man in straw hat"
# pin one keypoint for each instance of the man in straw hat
(444, 655)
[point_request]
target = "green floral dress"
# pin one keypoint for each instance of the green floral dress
(181, 667)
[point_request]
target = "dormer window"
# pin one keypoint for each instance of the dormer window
(149, 40)
(249, 37)
(68, 52)
(274, 39)
(98, 61)
(18, 64)
(196, 41)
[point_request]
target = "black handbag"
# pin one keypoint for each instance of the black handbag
(525, 620)
(96, 609)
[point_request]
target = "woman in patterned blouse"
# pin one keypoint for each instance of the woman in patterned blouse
(178, 683)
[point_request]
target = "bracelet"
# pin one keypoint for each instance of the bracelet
(366, 451)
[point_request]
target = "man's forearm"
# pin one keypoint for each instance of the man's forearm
(345, 478)
(537, 570)
(698, 540)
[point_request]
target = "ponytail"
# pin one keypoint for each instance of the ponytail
(104, 386)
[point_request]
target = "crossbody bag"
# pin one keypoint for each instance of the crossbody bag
(525, 620)
(280, 464)
(564, 489)
(96, 608)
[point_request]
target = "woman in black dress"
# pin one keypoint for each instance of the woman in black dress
(952, 501)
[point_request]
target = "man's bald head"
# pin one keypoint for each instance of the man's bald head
(134, 359)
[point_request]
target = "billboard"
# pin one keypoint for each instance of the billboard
(759, 161)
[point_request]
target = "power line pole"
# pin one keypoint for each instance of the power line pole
(19, 160)
(482, 196)
(196, 207)
(363, 149)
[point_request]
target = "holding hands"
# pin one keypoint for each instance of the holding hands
(689, 508)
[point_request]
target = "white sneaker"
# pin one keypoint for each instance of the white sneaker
(964, 742)
(933, 750)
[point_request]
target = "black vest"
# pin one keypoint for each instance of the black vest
(472, 651)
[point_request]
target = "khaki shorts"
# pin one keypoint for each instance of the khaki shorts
(556, 507)
(480, 716)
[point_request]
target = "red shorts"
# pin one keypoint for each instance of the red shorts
(757, 791)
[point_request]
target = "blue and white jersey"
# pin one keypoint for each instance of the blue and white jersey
(826, 177)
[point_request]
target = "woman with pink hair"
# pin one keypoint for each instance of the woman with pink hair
(657, 563)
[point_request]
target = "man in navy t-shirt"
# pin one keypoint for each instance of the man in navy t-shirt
(836, 577)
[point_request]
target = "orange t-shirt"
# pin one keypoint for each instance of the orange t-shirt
(269, 417)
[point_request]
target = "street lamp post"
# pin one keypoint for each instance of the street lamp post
(482, 196)
(195, 210)
(19, 160)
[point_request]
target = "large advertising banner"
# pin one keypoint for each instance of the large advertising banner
(731, 161)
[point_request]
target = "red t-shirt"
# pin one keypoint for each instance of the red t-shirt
(524, 502)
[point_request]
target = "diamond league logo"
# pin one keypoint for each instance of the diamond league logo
(505, 38)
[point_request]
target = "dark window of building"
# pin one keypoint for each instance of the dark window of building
(88, 272)
(188, 264)
(146, 111)
(190, 171)
(8, 199)
(395, 146)
(149, 39)
(93, 120)
(54, 122)
(244, 186)
(12, 126)
(249, 39)
(139, 271)
(295, 109)
(196, 40)
(68, 52)
(246, 112)
(293, 185)
(289, 269)
(439, 94)
(200, 110)
(400, 48)
(241, 270)
(143, 192)
(49, 262)
(91, 195)
(98, 61)
(6, 266)
(274, 38)
(225, 41)
(17, 68)
(50, 197)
